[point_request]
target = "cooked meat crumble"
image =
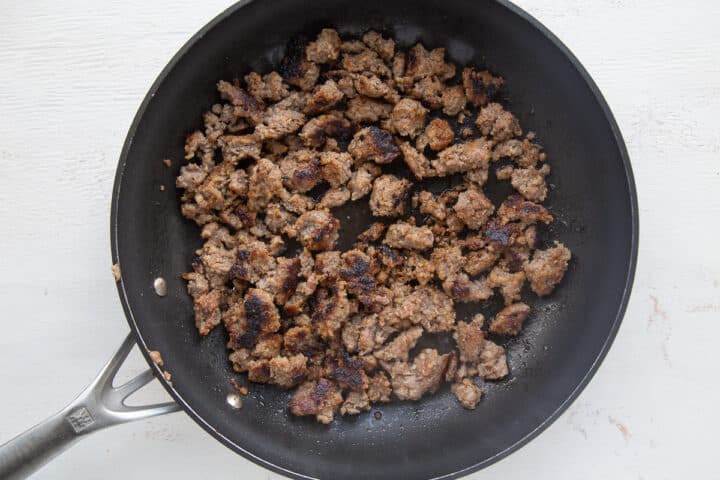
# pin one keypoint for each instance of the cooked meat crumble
(363, 120)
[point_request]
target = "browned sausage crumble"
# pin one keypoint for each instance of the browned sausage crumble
(344, 327)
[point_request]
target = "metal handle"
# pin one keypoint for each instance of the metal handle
(99, 406)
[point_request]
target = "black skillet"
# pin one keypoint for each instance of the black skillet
(593, 199)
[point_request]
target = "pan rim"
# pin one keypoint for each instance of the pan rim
(558, 411)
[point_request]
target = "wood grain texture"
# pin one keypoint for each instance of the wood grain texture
(73, 74)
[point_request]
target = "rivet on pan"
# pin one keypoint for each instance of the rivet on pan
(234, 400)
(160, 286)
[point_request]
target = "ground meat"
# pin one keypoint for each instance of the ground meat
(480, 261)
(373, 233)
(344, 327)
(404, 235)
(428, 204)
(426, 306)
(366, 61)
(365, 109)
(495, 121)
(480, 86)
(400, 347)
(264, 184)
(288, 372)
(295, 69)
(473, 208)
(429, 90)
(416, 161)
(384, 47)
(321, 398)
(453, 100)
(317, 230)
(245, 105)
(278, 123)
(515, 209)
(335, 168)
(547, 268)
(300, 170)
(323, 98)
(509, 284)
(410, 381)
(325, 49)
(509, 320)
(268, 87)
(379, 388)
(355, 403)
(439, 134)
(462, 157)
(530, 182)
(252, 262)
(317, 130)
(389, 196)
(408, 117)
(461, 289)
(421, 63)
(470, 338)
(361, 181)
(467, 393)
(373, 144)
(372, 86)
(493, 364)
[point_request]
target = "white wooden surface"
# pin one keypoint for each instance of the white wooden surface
(71, 77)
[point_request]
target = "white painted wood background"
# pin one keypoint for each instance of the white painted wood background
(72, 75)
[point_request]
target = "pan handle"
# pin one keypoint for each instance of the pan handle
(99, 406)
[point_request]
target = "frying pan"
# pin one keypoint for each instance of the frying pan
(562, 345)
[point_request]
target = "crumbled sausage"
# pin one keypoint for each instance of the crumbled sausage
(509, 284)
(470, 338)
(326, 48)
(410, 381)
(493, 363)
(480, 86)
(473, 208)
(268, 87)
(453, 100)
(462, 157)
(323, 98)
(317, 230)
(509, 320)
(321, 399)
(416, 161)
(547, 268)
(515, 209)
(365, 109)
(344, 327)
(467, 393)
(331, 125)
(495, 121)
(530, 182)
(408, 117)
(385, 47)
(300, 170)
(361, 180)
(439, 134)
(404, 235)
(389, 196)
(400, 347)
(373, 144)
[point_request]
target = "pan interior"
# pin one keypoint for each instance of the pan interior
(570, 331)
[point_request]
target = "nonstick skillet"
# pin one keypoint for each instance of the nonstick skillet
(561, 348)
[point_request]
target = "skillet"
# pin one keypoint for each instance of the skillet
(595, 206)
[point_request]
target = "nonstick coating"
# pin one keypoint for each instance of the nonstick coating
(569, 333)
